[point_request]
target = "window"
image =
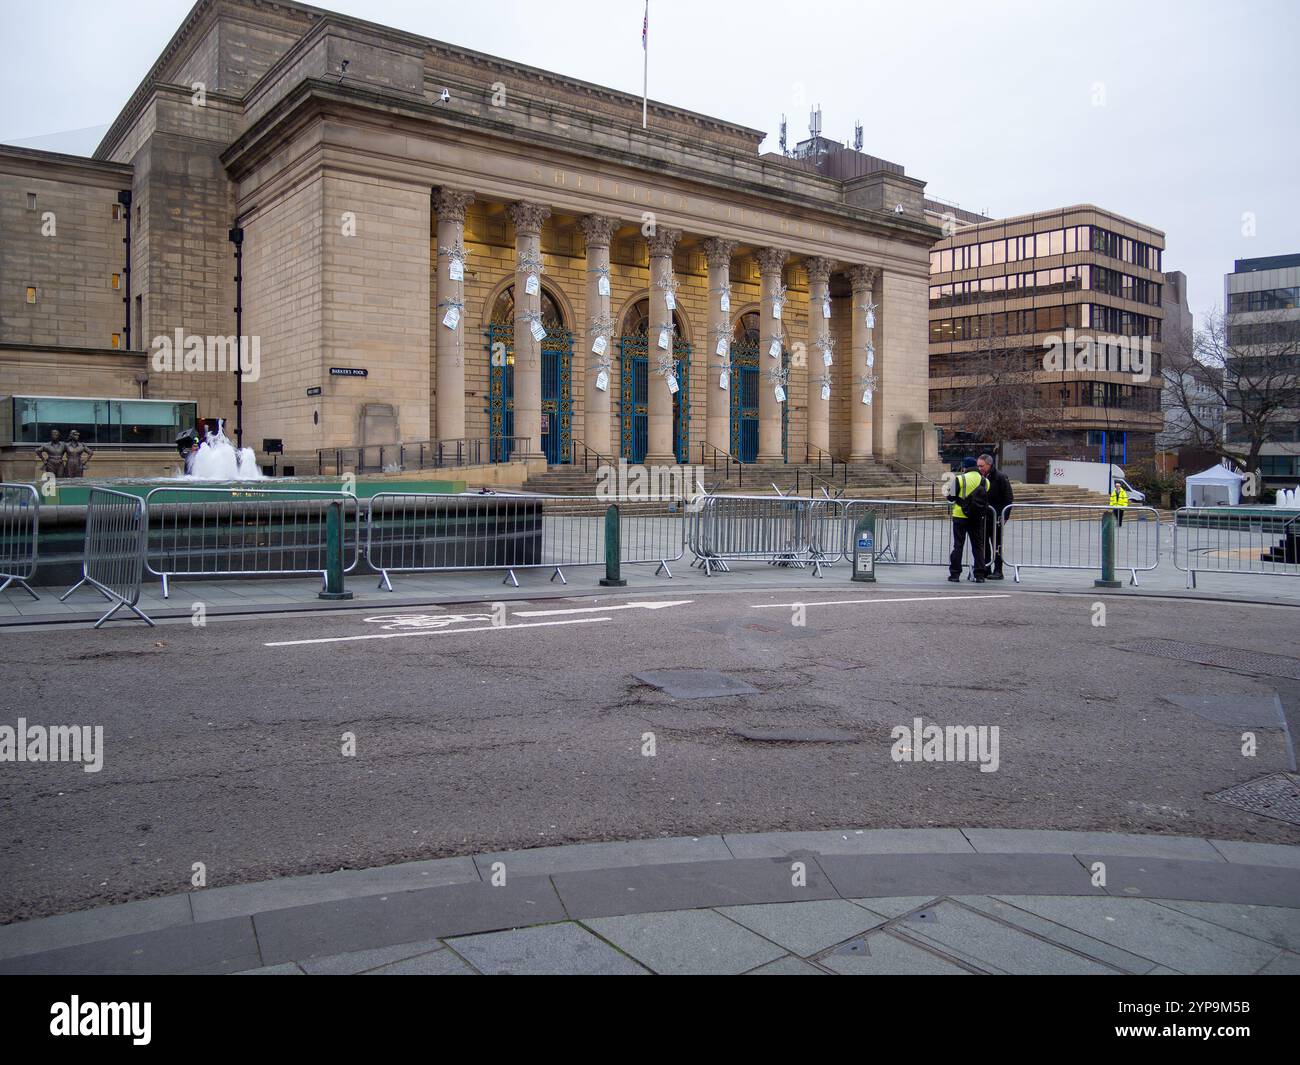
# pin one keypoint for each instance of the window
(117, 340)
(117, 212)
(101, 421)
(31, 293)
(945, 261)
(31, 201)
(117, 281)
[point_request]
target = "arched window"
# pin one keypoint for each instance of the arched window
(747, 329)
(637, 321)
(503, 311)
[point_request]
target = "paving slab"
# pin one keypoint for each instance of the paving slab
(804, 928)
(1258, 853)
(543, 861)
(286, 969)
(1285, 964)
(1067, 937)
(848, 841)
(686, 886)
(995, 947)
(1165, 878)
(1277, 925)
(437, 963)
(787, 966)
(227, 946)
(889, 908)
(547, 950)
(687, 942)
(246, 899)
(302, 932)
(886, 955)
(1169, 938)
(1034, 841)
(360, 961)
(860, 876)
(88, 926)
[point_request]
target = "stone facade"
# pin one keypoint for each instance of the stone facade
(327, 141)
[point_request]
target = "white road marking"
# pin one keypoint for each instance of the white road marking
(914, 599)
(600, 609)
(433, 632)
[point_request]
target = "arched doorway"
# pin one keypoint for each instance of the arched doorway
(557, 379)
(747, 377)
(635, 347)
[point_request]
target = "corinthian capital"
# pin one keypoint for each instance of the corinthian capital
(451, 204)
(771, 260)
(819, 270)
(863, 278)
(598, 229)
(528, 217)
(718, 252)
(663, 241)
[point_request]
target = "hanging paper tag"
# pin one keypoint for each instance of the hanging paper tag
(723, 379)
(780, 394)
(456, 270)
(826, 308)
(776, 308)
(602, 286)
(531, 286)
(826, 357)
(826, 392)
(871, 319)
(539, 331)
(724, 304)
(775, 349)
(602, 381)
(599, 346)
(721, 349)
(452, 318)
(672, 384)
(670, 298)
(663, 338)
(871, 358)
(866, 397)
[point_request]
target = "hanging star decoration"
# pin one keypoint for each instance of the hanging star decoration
(822, 381)
(531, 317)
(778, 377)
(825, 344)
(602, 325)
(720, 365)
(871, 354)
(867, 386)
(720, 291)
(531, 264)
(870, 312)
(778, 297)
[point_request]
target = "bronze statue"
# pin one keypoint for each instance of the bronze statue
(77, 455)
(53, 455)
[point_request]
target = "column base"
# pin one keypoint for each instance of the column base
(769, 456)
(860, 456)
(660, 460)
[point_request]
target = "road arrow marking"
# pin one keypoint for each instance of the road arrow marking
(600, 609)
(432, 632)
(915, 599)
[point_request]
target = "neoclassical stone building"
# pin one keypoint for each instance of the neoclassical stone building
(440, 245)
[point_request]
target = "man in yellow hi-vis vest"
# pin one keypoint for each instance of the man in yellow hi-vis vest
(1118, 500)
(969, 499)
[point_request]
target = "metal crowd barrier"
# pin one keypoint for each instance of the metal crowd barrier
(427, 533)
(1068, 536)
(781, 530)
(244, 532)
(20, 526)
(1262, 540)
(114, 555)
(907, 534)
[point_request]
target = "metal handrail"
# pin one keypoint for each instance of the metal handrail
(917, 478)
(728, 459)
(600, 460)
(424, 454)
(809, 448)
(813, 481)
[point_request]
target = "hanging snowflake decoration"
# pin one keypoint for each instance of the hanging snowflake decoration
(826, 345)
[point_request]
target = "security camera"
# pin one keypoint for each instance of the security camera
(445, 97)
(344, 66)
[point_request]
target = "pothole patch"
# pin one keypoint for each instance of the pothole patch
(695, 683)
(797, 735)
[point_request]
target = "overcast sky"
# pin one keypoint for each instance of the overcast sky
(1181, 114)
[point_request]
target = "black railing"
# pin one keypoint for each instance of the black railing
(829, 488)
(830, 461)
(590, 458)
(419, 455)
(917, 478)
(715, 457)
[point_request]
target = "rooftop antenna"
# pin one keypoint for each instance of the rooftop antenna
(857, 136)
(815, 122)
(783, 139)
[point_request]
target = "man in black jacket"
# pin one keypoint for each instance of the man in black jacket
(1000, 496)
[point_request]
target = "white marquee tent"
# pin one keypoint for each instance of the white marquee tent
(1216, 487)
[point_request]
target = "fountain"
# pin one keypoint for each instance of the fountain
(216, 459)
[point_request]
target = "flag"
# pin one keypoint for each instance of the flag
(645, 26)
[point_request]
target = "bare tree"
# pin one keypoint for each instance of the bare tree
(1006, 403)
(1249, 370)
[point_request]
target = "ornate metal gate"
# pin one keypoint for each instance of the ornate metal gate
(746, 379)
(557, 394)
(634, 398)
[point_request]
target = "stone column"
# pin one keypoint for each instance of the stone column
(528, 219)
(771, 266)
(819, 346)
(718, 253)
(598, 231)
(659, 428)
(450, 318)
(863, 281)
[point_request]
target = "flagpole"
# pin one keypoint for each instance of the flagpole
(645, 69)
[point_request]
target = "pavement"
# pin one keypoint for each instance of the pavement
(840, 902)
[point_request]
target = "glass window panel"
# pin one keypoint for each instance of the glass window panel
(1057, 242)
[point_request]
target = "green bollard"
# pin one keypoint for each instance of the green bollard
(334, 554)
(864, 550)
(1107, 553)
(612, 579)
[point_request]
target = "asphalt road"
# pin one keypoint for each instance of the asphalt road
(222, 743)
